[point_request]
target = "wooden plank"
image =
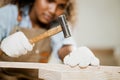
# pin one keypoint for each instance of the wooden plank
(64, 72)
(76, 73)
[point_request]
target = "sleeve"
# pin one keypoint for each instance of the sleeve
(58, 40)
(6, 20)
(3, 22)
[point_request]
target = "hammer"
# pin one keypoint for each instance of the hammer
(62, 27)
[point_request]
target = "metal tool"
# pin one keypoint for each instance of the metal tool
(62, 27)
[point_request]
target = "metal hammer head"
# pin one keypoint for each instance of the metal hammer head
(65, 28)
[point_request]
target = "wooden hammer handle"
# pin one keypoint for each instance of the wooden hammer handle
(46, 34)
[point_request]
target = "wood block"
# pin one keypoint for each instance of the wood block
(64, 72)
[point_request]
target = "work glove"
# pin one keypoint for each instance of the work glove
(16, 45)
(81, 56)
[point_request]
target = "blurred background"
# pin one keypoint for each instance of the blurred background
(98, 27)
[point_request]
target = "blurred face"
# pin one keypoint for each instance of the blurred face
(47, 10)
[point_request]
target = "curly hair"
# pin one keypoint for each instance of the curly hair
(70, 10)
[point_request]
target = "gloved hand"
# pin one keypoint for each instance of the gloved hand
(16, 45)
(81, 56)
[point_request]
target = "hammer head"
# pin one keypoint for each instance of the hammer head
(65, 28)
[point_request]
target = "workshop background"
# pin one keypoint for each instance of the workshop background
(98, 27)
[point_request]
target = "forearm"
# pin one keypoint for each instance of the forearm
(65, 50)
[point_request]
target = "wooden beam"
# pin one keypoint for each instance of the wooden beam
(64, 72)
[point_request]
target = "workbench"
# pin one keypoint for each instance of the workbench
(49, 71)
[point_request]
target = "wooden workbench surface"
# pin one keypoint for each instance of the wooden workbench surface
(65, 72)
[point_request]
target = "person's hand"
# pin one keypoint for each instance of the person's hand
(81, 56)
(16, 45)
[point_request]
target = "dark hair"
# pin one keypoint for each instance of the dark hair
(70, 11)
(22, 3)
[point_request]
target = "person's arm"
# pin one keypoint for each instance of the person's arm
(16, 44)
(8, 16)
(3, 22)
(65, 50)
(72, 55)
(68, 45)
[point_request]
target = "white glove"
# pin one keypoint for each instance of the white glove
(16, 45)
(81, 56)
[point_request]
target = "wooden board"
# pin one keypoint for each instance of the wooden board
(64, 72)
